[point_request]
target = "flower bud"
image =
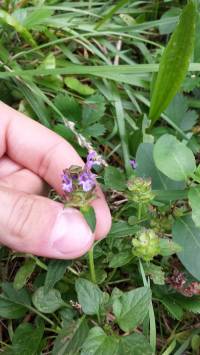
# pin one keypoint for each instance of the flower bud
(146, 244)
(140, 190)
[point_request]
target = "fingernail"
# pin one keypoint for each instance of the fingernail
(71, 235)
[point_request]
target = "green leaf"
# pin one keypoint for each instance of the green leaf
(168, 247)
(155, 272)
(10, 309)
(187, 235)
(173, 158)
(24, 273)
(69, 107)
(114, 178)
(174, 62)
(98, 343)
(26, 339)
(194, 201)
(89, 296)
(174, 309)
(77, 86)
(71, 338)
(93, 110)
(120, 259)
(178, 113)
(47, 302)
(134, 344)
(122, 229)
(90, 216)
(55, 272)
(132, 307)
(146, 168)
(96, 130)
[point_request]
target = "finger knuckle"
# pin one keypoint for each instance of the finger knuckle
(20, 214)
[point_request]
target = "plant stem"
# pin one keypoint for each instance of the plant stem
(139, 212)
(91, 265)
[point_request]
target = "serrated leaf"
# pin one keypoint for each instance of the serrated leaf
(174, 62)
(89, 296)
(93, 110)
(190, 304)
(187, 235)
(173, 158)
(134, 344)
(96, 130)
(174, 309)
(69, 107)
(132, 307)
(55, 272)
(194, 201)
(47, 302)
(77, 86)
(24, 273)
(114, 178)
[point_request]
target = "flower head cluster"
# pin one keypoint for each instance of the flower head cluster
(179, 282)
(78, 183)
(146, 244)
(140, 190)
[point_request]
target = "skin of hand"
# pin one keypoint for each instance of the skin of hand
(32, 156)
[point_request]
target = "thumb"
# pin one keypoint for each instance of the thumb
(37, 225)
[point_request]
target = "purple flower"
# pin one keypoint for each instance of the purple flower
(87, 180)
(92, 160)
(133, 163)
(67, 185)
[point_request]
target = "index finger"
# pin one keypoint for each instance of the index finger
(45, 153)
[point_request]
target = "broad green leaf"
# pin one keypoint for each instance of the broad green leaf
(114, 178)
(178, 113)
(26, 339)
(120, 259)
(10, 309)
(168, 247)
(71, 338)
(17, 296)
(24, 273)
(132, 307)
(122, 229)
(89, 296)
(93, 110)
(77, 86)
(68, 106)
(98, 343)
(187, 235)
(47, 302)
(146, 168)
(174, 62)
(134, 344)
(90, 216)
(194, 201)
(55, 272)
(173, 158)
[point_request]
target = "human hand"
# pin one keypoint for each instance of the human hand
(31, 154)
